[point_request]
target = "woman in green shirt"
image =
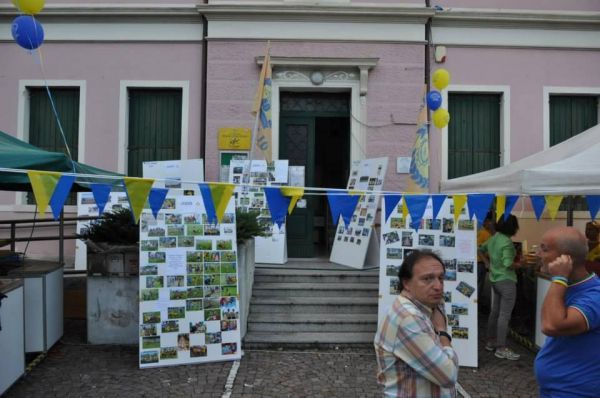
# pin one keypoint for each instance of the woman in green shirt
(500, 252)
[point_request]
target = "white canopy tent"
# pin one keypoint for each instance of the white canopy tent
(569, 168)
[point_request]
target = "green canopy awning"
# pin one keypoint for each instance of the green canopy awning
(17, 154)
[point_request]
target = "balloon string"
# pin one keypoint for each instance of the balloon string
(52, 104)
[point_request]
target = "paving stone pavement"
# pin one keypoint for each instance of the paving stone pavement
(74, 369)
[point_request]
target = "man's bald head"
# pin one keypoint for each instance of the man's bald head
(570, 241)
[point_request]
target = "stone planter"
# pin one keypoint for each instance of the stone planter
(112, 296)
(245, 252)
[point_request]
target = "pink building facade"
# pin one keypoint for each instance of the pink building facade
(365, 60)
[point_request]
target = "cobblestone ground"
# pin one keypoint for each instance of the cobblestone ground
(74, 369)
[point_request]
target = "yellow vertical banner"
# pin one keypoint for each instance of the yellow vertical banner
(459, 204)
(500, 206)
(262, 108)
(43, 184)
(404, 211)
(295, 194)
(138, 190)
(221, 194)
(552, 204)
(419, 162)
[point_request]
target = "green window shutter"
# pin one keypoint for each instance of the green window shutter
(473, 133)
(43, 127)
(154, 127)
(569, 116)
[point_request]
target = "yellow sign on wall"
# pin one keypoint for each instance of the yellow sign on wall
(236, 138)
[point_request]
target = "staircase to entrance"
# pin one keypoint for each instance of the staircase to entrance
(312, 302)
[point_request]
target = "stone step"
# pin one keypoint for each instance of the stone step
(314, 276)
(314, 305)
(283, 322)
(267, 289)
(274, 338)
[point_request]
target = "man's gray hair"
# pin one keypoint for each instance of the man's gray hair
(576, 247)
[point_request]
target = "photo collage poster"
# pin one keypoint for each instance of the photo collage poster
(352, 241)
(270, 248)
(456, 244)
(86, 206)
(189, 301)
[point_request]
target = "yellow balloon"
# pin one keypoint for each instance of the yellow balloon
(441, 79)
(30, 7)
(441, 118)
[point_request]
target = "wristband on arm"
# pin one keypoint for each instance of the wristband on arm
(444, 333)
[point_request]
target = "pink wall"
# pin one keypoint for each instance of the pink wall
(102, 66)
(394, 88)
(526, 72)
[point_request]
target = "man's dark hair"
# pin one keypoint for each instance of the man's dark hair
(406, 269)
(508, 227)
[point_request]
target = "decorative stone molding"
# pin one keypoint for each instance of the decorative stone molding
(333, 69)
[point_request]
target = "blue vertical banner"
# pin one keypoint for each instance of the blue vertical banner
(156, 198)
(101, 192)
(209, 205)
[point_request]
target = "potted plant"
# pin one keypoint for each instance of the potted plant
(113, 278)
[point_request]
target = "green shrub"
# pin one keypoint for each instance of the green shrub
(247, 226)
(115, 227)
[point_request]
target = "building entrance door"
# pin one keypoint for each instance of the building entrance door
(314, 132)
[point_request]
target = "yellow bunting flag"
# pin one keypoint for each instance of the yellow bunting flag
(500, 206)
(404, 210)
(137, 192)
(552, 204)
(221, 194)
(459, 204)
(43, 184)
(295, 193)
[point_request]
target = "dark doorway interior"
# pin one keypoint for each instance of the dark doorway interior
(315, 133)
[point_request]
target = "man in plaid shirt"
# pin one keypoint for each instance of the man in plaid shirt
(414, 351)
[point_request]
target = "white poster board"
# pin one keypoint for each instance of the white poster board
(171, 173)
(352, 241)
(456, 244)
(189, 304)
(86, 206)
(272, 248)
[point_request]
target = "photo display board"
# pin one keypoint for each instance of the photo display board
(271, 248)
(456, 244)
(86, 206)
(189, 302)
(171, 173)
(352, 241)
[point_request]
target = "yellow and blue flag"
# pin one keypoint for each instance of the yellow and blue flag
(262, 107)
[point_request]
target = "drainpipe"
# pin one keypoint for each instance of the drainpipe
(203, 90)
(427, 78)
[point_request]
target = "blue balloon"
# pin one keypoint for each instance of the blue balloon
(434, 100)
(27, 32)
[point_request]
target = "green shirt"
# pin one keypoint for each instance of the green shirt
(502, 254)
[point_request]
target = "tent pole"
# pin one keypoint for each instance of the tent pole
(61, 240)
(569, 211)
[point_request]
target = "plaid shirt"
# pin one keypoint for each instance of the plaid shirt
(411, 360)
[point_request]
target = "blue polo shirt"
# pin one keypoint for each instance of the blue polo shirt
(569, 366)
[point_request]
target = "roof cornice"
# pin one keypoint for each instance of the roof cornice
(468, 17)
(322, 13)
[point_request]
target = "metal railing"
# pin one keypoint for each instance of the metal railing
(28, 223)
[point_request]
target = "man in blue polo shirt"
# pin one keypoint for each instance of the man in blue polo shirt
(568, 365)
